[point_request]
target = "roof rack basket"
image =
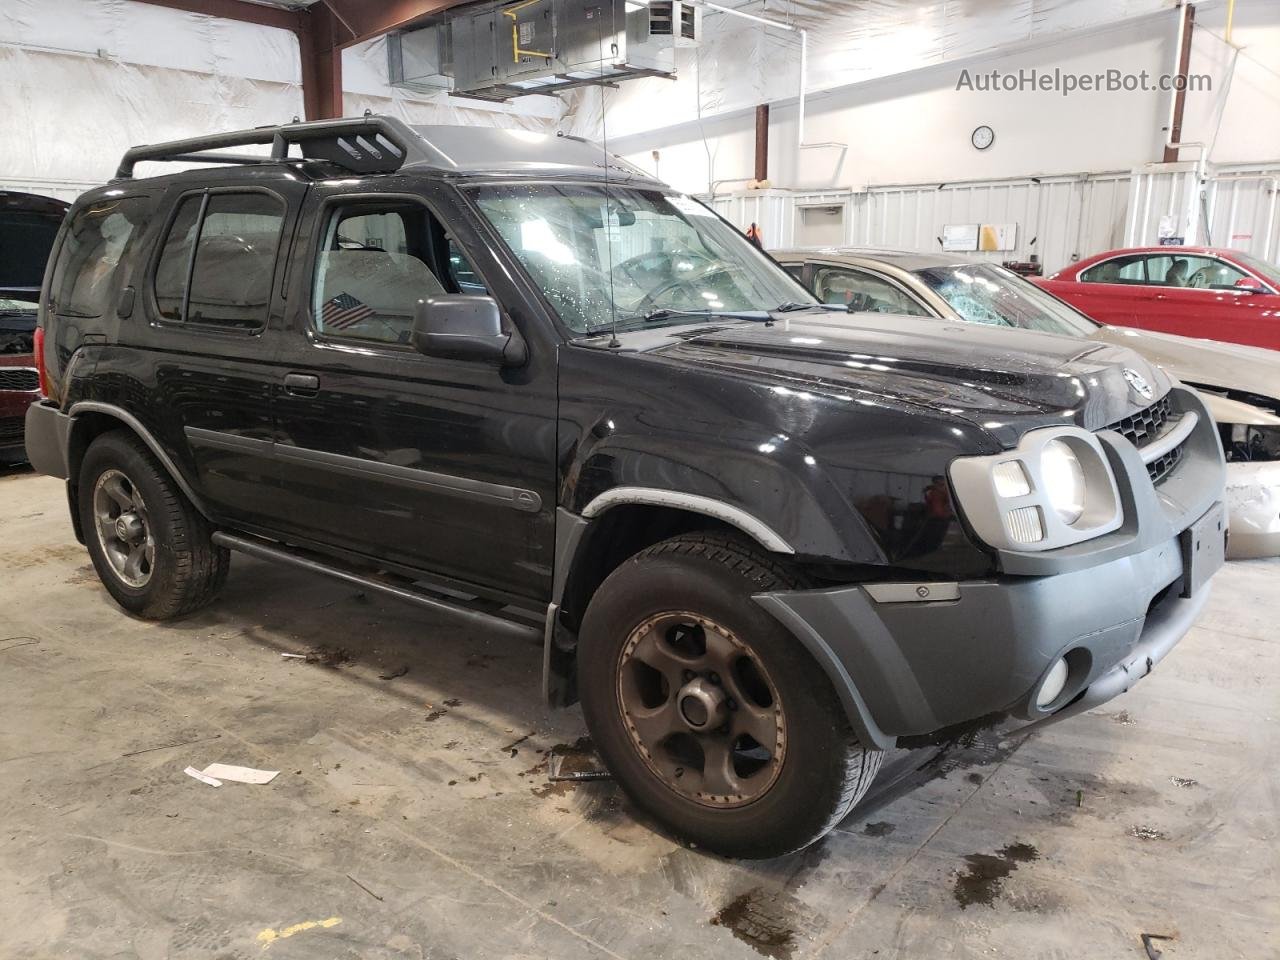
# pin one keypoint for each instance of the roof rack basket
(369, 144)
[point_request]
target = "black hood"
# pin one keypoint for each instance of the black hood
(28, 226)
(1005, 381)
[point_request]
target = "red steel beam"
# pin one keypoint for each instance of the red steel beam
(1188, 15)
(365, 19)
(320, 50)
(236, 10)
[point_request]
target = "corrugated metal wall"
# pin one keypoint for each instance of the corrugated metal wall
(1058, 218)
(1235, 207)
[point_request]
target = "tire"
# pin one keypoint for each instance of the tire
(694, 592)
(180, 569)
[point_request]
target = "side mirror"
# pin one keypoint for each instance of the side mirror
(465, 328)
(1250, 285)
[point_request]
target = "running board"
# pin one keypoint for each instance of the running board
(444, 600)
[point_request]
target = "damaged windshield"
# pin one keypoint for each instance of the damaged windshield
(654, 257)
(983, 293)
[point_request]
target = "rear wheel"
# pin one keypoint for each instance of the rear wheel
(706, 709)
(150, 547)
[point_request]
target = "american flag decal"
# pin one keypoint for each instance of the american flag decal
(344, 311)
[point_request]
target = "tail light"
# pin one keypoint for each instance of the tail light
(39, 357)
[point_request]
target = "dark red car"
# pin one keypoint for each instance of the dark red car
(28, 226)
(1202, 292)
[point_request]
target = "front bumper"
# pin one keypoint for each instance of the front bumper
(914, 667)
(914, 659)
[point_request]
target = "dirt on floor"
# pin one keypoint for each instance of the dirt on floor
(413, 815)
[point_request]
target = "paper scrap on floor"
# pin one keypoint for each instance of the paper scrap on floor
(193, 772)
(225, 771)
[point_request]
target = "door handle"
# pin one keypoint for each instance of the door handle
(301, 384)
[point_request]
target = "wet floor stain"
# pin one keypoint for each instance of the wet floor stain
(763, 920)
(982, 882)
(912, 769)
(879, 829)
(577, 760)
(329, 656)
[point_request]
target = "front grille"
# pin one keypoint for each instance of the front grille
(12, 430)
(1147, 425)
(1161, 467)
(18, 378)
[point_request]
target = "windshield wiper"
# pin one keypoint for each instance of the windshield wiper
(667, 313)
(791, 306)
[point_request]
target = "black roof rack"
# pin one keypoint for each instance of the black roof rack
(370, 144)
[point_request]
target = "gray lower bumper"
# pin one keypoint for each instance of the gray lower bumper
(911, 667)
(47, 429)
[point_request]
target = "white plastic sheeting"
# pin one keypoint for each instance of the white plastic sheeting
(83, 80)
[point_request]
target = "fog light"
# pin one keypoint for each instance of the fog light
(1025, 525)
(1051, 689)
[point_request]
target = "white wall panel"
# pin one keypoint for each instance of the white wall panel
(1234, 206)
(1060, 219)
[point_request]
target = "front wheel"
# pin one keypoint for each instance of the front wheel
(708, 712)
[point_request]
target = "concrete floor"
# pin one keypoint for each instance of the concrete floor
(413, 817)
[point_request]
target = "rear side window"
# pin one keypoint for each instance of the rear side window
(1130, 269)
(219, 258)
(83, 282)
(863, 293)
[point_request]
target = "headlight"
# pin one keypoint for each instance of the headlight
(1056, 488)
(1064, 483)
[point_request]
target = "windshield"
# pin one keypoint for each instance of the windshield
(8, 305)
(651, 256)
(985, 293)
(1267, 271)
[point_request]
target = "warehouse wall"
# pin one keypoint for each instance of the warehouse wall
(83, 80)
(914, 127)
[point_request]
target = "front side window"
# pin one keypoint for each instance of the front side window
(219, 258)
(376, 262)
(634, 256)
(1200, 273)
(984, 293)
(84, 276)
(863, 292)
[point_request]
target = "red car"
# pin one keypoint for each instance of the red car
(1202, 292)
(28, 226)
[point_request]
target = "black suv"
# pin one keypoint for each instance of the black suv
(512, 376)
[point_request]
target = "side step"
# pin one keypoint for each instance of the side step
(525, 623)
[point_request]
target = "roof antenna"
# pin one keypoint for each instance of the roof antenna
(614, 342)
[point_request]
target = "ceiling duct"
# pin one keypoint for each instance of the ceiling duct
(496, 51)
(421, 60)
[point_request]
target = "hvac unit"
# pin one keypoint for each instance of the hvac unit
(503, 50)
